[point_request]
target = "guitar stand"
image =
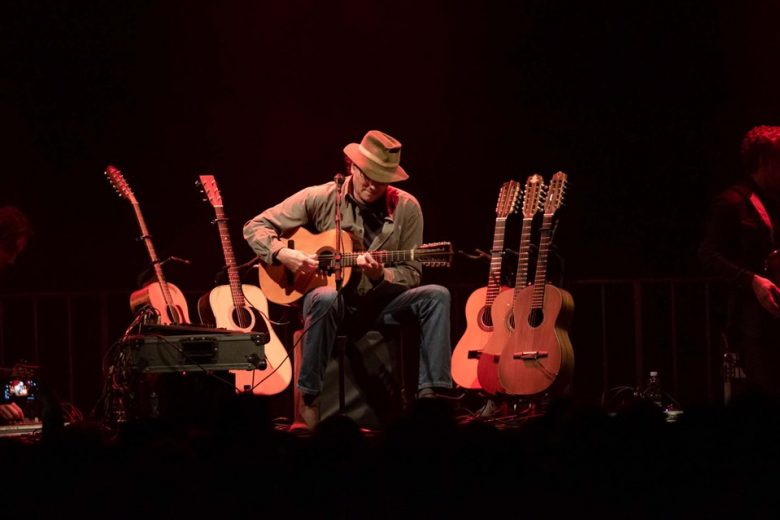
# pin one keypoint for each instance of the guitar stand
(511, 411)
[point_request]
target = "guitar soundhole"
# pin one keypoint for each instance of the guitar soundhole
(510, 321)
(535, 318)
(485, 319)
(325, 257)
(173, 315)
(242, 317)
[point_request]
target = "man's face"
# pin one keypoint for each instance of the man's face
(364, 189)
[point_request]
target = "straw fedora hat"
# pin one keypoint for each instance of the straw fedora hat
(378, 155)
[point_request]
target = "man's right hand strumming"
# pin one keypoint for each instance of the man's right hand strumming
(296, 261)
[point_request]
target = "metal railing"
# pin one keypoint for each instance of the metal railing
(621, 330)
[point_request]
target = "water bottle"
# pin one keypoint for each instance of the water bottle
(653, 391)
(154, 405)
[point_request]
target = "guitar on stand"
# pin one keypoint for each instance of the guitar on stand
(479, 320)
(503, 306)
(284, 287)
(538, 356)
(163, 297)
(243, 307)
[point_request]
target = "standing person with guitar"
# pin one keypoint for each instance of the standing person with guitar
(377, 216)
(740, 246)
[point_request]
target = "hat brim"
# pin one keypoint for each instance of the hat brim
(372, 170)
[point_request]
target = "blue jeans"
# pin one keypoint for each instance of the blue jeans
(429, 304)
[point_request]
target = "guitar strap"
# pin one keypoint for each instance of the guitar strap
(751, 196)
(764, 216)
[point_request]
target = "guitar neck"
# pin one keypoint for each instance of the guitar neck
(540, 278)
(496, 256)
(383, 257)
(230, 259)
(147, 238)
(521, 277)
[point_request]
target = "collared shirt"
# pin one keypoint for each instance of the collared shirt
(314, 208)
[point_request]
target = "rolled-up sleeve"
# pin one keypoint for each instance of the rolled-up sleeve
(264, 232)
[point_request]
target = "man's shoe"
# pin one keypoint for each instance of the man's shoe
(426, 393)
(440, 393)
(309, 410)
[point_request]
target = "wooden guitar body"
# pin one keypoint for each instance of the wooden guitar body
(152, 294)
(538, 358)
(479, 329)
(217, 308)
(283, 287)
(479, 314)
(487, 365)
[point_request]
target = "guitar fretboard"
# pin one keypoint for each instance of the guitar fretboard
(383, 257)
(496, 255)
(155, 261)
(521, 280)
(540, 279)
(230, 259)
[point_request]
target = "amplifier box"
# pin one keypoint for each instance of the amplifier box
(191, 352)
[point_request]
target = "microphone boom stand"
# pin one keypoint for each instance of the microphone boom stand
(341, 338)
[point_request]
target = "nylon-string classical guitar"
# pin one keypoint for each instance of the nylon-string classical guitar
(503, 306)
(479, 319)
(538, 356)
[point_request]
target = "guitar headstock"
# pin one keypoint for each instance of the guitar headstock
(120, 184)
(507, 199)
(555, 195)
(208, 186)
(435, 254)
(535, 191)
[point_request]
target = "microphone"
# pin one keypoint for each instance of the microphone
(339, 180)
(180, 260)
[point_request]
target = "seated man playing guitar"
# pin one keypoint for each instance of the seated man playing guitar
(377, 216)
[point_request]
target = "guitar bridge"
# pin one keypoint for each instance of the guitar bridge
(530, 355)
(474, 354)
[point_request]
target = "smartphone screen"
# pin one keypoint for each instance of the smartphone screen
(17, 390)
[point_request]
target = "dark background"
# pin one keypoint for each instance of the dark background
(642, 104)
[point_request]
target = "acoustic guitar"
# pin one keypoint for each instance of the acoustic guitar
(242, 307)
(479, 320)
(284, 287)
(538, 355)
(164, 297)
(503, 305)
